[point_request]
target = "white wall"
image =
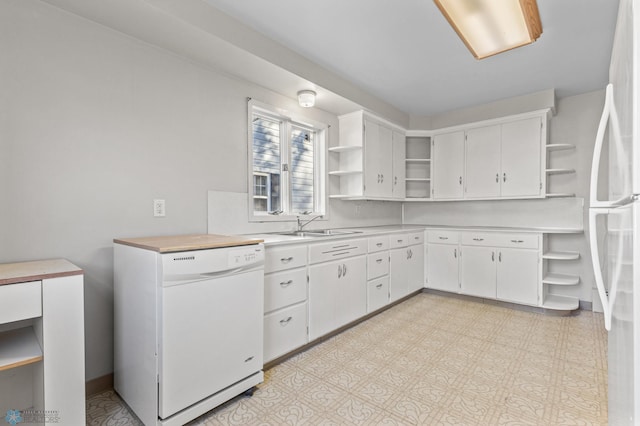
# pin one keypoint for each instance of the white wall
(576, 122)
(95, 125)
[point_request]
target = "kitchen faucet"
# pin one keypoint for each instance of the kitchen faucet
(301, 224)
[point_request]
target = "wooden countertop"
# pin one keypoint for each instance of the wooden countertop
(175, 243)
(12, 273)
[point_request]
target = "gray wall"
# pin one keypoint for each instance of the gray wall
(576, 122)
(94, 126)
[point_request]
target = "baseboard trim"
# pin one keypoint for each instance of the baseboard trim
(99, 384)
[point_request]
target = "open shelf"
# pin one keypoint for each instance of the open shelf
(561, 255)
(560, 303)
(558, 195)
(418, 160)
(345, 172)
(345, 148)
(560, 279)
(417, 179)
(19, 347)
(559, 146)
(559, 171)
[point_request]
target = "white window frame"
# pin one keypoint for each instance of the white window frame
(319, 167)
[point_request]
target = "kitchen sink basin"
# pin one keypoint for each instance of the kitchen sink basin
(319, 233)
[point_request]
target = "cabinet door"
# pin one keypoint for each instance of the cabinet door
(448, 165)
(443, 267)
(482, 171)
(478, 271)
(398, 274)
(399, 165)
(518, 276)
(378, 173)
(521, 158)
(351, 294)
(323, 287)
(377, 293)
(284, 331)
(416, 268)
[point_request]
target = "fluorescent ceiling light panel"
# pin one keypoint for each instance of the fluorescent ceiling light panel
(488, 27)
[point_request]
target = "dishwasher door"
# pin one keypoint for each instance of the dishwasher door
(211, 337)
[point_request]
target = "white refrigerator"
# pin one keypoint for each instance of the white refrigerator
(614, 218)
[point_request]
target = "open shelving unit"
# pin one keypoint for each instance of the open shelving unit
(552, 281)
(552, 171)
(349, 171)
(418, 167)
(18, 348)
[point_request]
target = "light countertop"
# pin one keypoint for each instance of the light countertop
(12, 273)
(176, 243)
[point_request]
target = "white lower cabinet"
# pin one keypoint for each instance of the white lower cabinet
(518, 275)
(398, 274)
(285, 300)
(478, 271)
(443, 267)
(377, 293)
(285, 330)
(337, 294)
(415, 268)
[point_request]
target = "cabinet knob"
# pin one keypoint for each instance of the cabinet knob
(460, 180)
(493, 256)
(344, 270)
(504, 177)
(378, 260)
(455, 253)
(379, 245)
(339, 271)
(499, 256)
(379, 285)
(497, 177)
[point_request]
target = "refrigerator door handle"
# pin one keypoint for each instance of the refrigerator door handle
(607, 300)
(609, 114)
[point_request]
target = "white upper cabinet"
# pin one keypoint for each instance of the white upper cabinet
(399, 165)
(483, 163)
(372, 154)
(522, 151)
(499, 159)
(448, 165)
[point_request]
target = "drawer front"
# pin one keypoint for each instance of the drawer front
(416, 238)
(378, 243)
(518, 240)
(443, 237)
(377, 293)
(284, 331)
(20, 301)
(336, 250)
(287, 257)
(377, 265)
(284, 288)
(490, 239)
(398, 240)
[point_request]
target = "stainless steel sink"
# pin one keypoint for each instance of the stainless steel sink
(319, 233)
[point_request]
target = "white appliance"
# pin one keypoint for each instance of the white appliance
(188, 329)
(616, 251)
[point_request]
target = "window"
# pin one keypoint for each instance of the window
(286, 165)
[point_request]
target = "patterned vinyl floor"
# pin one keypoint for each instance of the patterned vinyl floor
(431, 360)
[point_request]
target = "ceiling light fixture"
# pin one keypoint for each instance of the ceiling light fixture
(488, 27)
(306, 98)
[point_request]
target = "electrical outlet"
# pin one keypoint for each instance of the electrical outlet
(158, 208)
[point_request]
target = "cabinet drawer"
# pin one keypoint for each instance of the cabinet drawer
(416, 238)
(491, 239)
(377, 265)
(377, 293)
(518, 240)
(398, 240)
(378, 243)
(280, 258)
(336, 250)
(284, 288)
(443, 237)
(20, 301)
(284, 331)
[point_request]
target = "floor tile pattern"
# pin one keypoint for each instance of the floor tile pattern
(431, 360)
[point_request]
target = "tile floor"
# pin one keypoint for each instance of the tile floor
(431, 360)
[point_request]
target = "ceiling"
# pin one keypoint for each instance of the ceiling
(406, 54)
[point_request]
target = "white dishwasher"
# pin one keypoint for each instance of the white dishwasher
(200, 342)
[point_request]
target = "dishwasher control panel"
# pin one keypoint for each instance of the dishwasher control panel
(245, 256)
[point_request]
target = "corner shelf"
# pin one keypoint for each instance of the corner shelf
(349, 170)
(559, 171)
(345, 148)
(560, 279)
(345, 172)
(19, 347)
(560, 303)
(559, 146)
(567, 195)
(418, 167)
(561, 255)
(418, 180)
(418, 160)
